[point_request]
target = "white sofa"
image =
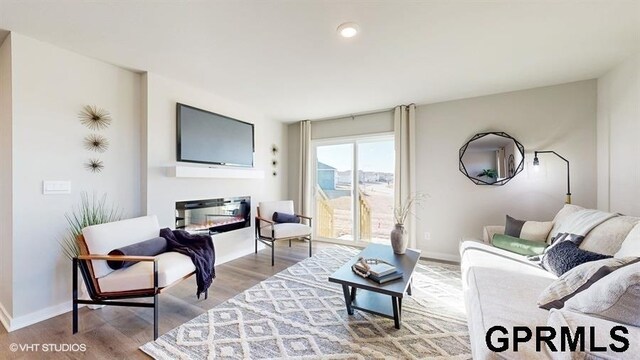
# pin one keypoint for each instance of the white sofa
(501, 288)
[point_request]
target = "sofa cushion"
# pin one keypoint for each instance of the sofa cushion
(528, 230)
(594, 331)
(517, 245)
(479, 254)
(489, 230)
(578, 279)
(615, 297)
(494, 295)
(560, 218)
(172, 266)
(607, 237)
(100, 239)
(631, 244)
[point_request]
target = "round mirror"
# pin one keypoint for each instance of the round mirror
(491, 158)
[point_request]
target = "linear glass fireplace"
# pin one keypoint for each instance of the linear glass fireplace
(214, 215)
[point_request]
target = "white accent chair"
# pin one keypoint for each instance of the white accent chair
(148, 277)
(268, 231)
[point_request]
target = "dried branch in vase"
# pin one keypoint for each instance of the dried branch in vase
(405, 207)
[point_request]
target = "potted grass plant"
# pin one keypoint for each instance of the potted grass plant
(92, 210)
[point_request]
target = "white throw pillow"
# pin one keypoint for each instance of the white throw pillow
(631, 244)
(615, 297)
(579, 279)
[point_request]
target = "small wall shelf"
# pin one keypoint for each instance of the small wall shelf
(185, 171)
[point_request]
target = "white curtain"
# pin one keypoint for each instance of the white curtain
(304, 178)
(404, 125)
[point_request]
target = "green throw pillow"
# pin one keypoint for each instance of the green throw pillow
(517, 245)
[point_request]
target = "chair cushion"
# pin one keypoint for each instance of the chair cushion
(267, 208)
(172, 266)
(101, 239)
(286, 230)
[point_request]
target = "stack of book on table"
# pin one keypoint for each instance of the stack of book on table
(380, 273)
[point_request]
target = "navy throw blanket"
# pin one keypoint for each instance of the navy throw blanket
(199, 248)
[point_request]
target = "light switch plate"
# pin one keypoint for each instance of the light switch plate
(56, 187)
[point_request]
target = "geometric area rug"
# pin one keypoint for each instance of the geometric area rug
(298, 314)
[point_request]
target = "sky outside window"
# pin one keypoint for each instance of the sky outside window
(378, 156)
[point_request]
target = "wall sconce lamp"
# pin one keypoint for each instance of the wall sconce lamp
(536, 162)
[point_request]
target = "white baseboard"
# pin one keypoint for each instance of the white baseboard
(13, 324)
(5, 319)
(237, 254)
(441, 256)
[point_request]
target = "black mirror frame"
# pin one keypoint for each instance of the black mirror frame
(477, 181)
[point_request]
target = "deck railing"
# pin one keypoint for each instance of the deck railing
(365, 217)
(324, 212)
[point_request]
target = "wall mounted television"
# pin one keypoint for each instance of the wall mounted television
(209, 138)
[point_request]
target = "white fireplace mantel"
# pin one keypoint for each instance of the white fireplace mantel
(186, 171)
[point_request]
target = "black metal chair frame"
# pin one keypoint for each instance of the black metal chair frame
(81, 262)
(270, 241)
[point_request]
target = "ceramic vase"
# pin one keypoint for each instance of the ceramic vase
(399, 239)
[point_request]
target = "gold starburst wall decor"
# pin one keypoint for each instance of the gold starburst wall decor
(96, 143)
(95, 118)
(94, 165)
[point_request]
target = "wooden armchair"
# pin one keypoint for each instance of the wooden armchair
(147, 278)
(268, 231)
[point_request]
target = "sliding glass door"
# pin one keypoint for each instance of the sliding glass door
(353, 189)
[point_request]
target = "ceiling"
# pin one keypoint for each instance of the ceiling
(284, 58)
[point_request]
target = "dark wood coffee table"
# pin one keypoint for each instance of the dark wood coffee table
(380, 299)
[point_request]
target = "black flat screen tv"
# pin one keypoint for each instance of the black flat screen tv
(210, 138)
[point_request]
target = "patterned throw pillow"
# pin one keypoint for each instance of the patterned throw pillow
(565, 256)
(579, 279)
(528, 230)
(615, 297)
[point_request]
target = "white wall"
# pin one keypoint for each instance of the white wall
(560, 118)
(50, 87)
(618, 134)
(6, 183)
(162, 191)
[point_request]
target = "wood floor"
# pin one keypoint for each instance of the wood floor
(116, 332)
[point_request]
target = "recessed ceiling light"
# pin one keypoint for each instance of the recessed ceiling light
(348, 29)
